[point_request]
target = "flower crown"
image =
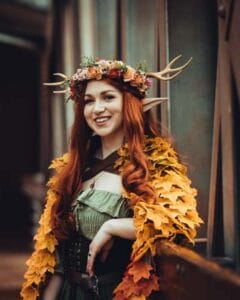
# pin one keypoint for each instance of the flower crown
(116, 69)
(91, 69)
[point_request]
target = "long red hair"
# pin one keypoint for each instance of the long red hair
(134, 176)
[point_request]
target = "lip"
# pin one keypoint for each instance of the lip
(102, 120)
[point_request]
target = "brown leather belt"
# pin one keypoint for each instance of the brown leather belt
(92, 283)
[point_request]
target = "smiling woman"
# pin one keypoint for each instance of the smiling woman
(103, 113)
(117, 193)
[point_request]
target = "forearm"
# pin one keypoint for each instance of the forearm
(122, 227)
(103, 240)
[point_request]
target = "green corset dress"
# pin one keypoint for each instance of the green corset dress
(92, 208)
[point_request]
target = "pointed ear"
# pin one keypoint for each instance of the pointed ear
(149, 103)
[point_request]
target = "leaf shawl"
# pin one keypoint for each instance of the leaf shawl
(42, 260)
(172, 213)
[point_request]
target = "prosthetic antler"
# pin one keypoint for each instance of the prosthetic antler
(59, 83)
(165, 74)
(101, 69)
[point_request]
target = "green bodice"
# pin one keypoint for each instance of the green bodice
(94, 207)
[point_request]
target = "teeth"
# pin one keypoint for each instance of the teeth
(102, 119)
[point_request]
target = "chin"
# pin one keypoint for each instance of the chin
(102, 133)
(107, 131)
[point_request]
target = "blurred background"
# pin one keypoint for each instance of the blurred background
(41, 37)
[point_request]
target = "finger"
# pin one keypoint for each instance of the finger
(90, 263)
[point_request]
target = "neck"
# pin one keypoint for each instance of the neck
(111, 144)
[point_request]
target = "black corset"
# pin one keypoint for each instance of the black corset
(76, 254)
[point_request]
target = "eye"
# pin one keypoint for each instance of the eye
(88, 101)
(109, 97)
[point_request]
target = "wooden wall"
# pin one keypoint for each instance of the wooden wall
(157, 31)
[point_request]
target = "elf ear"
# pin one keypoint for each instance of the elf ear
(149, 103)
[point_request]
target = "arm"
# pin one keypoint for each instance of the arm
(103, 240)
(123, 228)
(52, 289)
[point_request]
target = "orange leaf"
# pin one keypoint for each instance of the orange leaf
(140, 270)
(142, 297)
(30, 293)
(150, 285)
(126, 288)
(119, 296)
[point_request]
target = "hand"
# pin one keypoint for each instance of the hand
(102, 241)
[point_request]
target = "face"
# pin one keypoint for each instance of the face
(103, 108)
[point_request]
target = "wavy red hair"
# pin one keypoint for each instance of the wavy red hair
(134, 176)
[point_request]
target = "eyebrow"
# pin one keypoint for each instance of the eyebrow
(103, 93)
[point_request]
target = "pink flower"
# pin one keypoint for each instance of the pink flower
(148, 82)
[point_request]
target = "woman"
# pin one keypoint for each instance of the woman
(118, 191)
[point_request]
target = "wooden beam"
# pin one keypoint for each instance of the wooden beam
(214, 169)
(185, 275)
(163, 57)
(228, 167)
(234, 44)
(122, 44)
(18, 42)
(23, 21)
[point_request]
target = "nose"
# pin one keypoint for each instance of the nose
(99, 107)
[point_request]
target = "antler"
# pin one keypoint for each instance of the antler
(165, 74)
(58, 83)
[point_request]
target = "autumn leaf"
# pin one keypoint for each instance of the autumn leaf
(148, 286)
(42, 259)
(59, 162)
(119, 295)
(48, 242)
(127, 288)
(142, 297)
(29, 293)
(140, 270)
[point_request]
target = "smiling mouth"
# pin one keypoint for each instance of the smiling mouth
(101, 120)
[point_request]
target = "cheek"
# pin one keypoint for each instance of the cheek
(120, 114)
(86, 113)
(87, 116)
(119, 119)
(118, 109)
